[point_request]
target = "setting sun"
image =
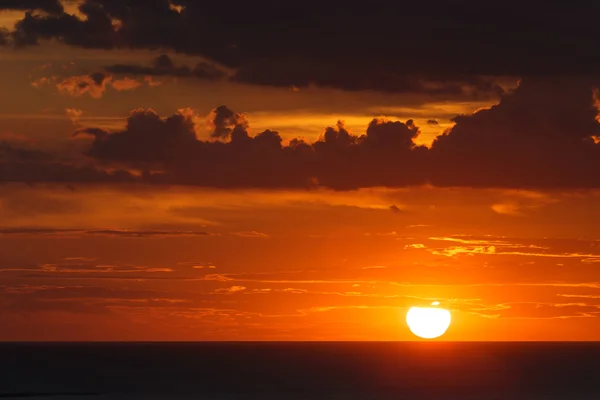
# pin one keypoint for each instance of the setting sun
(428, 322)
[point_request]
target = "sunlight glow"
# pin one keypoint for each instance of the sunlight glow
(428, 322)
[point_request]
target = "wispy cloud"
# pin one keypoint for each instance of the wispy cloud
(97, 232)
(251, 234)
(70, 268)
(503, 248)
(231, 290)
(517, 203)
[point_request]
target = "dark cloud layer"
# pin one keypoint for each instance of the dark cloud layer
(51, 6)
(299, 74)
(542, 135)
(33, 166)
(164, 66)
(381, 45)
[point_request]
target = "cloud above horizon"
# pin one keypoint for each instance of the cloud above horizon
(278, 49)
(542, 135)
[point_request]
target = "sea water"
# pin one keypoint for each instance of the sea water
(301, 370)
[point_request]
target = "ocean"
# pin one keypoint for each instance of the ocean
(301, 370)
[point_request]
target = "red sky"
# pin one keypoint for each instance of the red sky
(153, 192)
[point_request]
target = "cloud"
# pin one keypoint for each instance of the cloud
(145, 234)
(395, 209)
(504, 247)
(74, 114)
(375, 52)
(79, 299)
(125, 84)
(147, 138)
(251, 234)
(537, 310)
(74, 269)
(34, 166)
(225, 121)
(231, 290)
(303, 73)
(93, 85)
(96, 31)
(4, 36)
(538, 137)
(415, 246)
(261, 160)
(519, 202)
(507, 209)
(51, 6)
(164, 66)
(97, 232)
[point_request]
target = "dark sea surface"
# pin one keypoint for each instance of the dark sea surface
(303, 370)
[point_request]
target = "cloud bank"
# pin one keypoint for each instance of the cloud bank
(544, 135)
(381, 46)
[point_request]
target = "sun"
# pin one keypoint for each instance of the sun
(428, 322)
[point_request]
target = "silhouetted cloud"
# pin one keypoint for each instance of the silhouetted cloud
(51, 6)
(164, 66)
(4, 36)
(146, 138)
(262, 160)
(32, 166)
(368, 49)
(394, 208)
(544, 134)
(225, 121)
(301, 73)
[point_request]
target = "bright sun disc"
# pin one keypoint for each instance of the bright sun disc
(428, 322)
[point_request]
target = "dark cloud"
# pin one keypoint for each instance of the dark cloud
(164, 66)
(4, 36)
(300, 73)
(225, 121)
(433, 122)
(540, 136)
(147, 138)
(242, 160)
(145, 234)
(9, 153)
(51, 6)
(395, 209)
(96, 31)
(382, 46)
(32, 166)
(543, 135)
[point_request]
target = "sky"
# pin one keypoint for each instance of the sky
(172, 170)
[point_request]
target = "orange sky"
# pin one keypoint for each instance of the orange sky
(108, 260)
(196, 264)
